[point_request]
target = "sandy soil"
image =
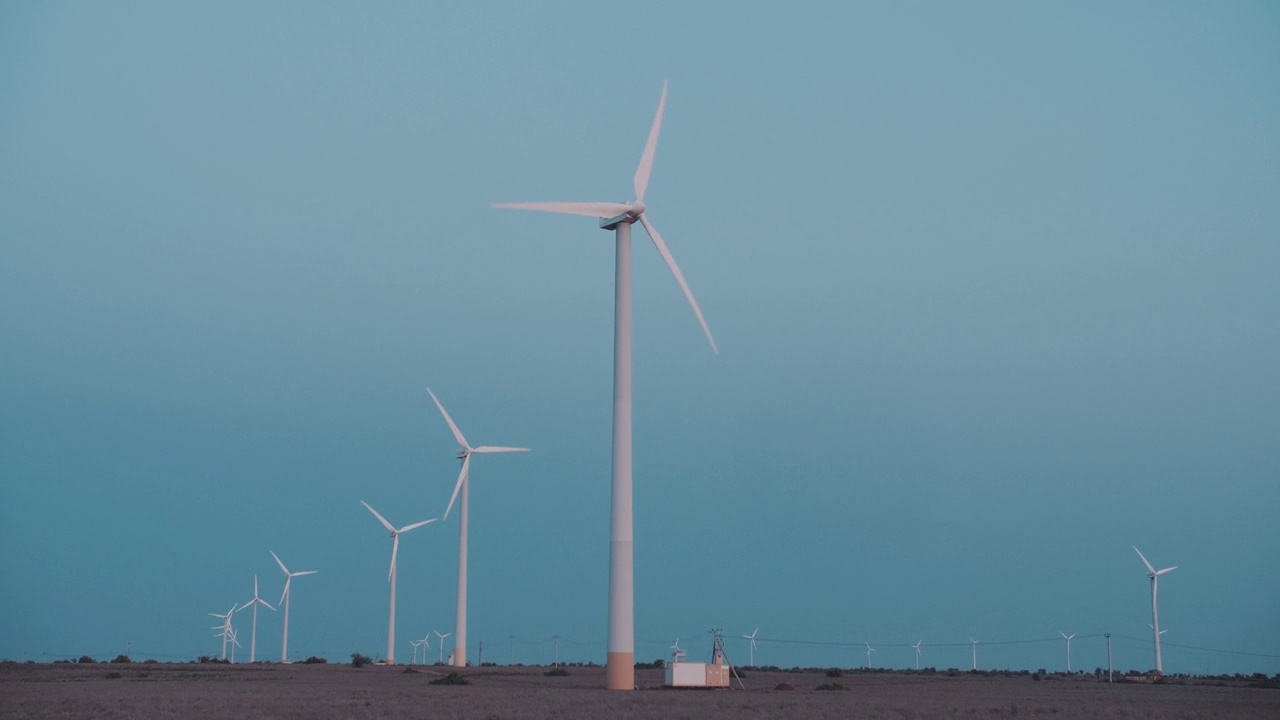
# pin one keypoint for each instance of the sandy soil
(341, 691)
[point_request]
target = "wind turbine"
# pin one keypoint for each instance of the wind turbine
(464, 454)
(284, 598)
(1068, 639)
(869, 651)
(426, 645)
(253, 634)
(917, 648)
(441, 643)
(416, 644)
(1154, 576)
(619, 217)
(234, 643)
(225, 627)
(975, 652)
(391, 574)
(676, 651)
(752, 638)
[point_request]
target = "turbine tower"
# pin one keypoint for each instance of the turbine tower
(441, 643)
(917, 648)
(391, 575)
(1154, 576)
(225, 628)
(253, 634)
(284, 598)
(1068, 639)
(752, 638)
(975, 652)
(619, 217)
(464, 454)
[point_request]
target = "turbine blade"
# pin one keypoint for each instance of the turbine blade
(675, 270)
(278, 561)
(462, 477)
(387, 525)
(456, 432)
(1168, 569)
(305, 572)
(285, 594)
(395, 547)
(589, 209)
(266, 604)
(495, 449)
(646, 160)
(407, 528)
(1144, 559)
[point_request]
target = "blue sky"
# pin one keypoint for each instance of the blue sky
(993, 284)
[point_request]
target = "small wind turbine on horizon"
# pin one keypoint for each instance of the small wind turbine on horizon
(975, 652)
(463, 485)
(620, 668)
(225, 629)
(391, 575)
(284, 599)
(1154, 576)
(1068, 639)
(917, 649)
(441, 643)
(253, 633)
(869, 651)
(752, 647)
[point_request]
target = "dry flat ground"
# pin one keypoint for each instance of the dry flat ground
(341, 691)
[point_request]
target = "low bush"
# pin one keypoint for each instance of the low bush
(313, 660)
(122, 659)
(830, 686)
(358, 660)
(557, 672)
(451, 679)
(86, 659)
(835, 672)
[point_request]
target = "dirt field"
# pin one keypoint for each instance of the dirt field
(249, 692)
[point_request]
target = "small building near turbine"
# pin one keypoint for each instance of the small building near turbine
(714, 674)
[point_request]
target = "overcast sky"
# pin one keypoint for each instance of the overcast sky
(994, 286)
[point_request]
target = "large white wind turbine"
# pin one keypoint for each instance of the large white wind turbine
(253, 633)
(284, 598)
(391, 575)
(1154, 576)
(1068, 639)
(463, 485)
(619, 217)
(752, 638)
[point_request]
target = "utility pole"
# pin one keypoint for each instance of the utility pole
(1109, 657)
(557, 655)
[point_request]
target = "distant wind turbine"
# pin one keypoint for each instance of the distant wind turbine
(284, 598)
(917, 648)
(391, 574)
(1068, 639)
(225, 627)
(619, 217)
(975, 652)
(752, 651)
(463, 486)
(253, 634)
(1154, 576)
(441, 643)
(869, 651)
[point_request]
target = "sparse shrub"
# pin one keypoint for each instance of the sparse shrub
(953, 672)
(114, 675)
(408, 670)
(557, 672)
(784, 687)
(358, 660)
(86, 659)
(655, 665)
(835, 672)
(314, 660)
(1037, 676)
(150, 661)
(203, 659)
(488, 664)
(122, 659)
(452, 678)
(830, 686)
